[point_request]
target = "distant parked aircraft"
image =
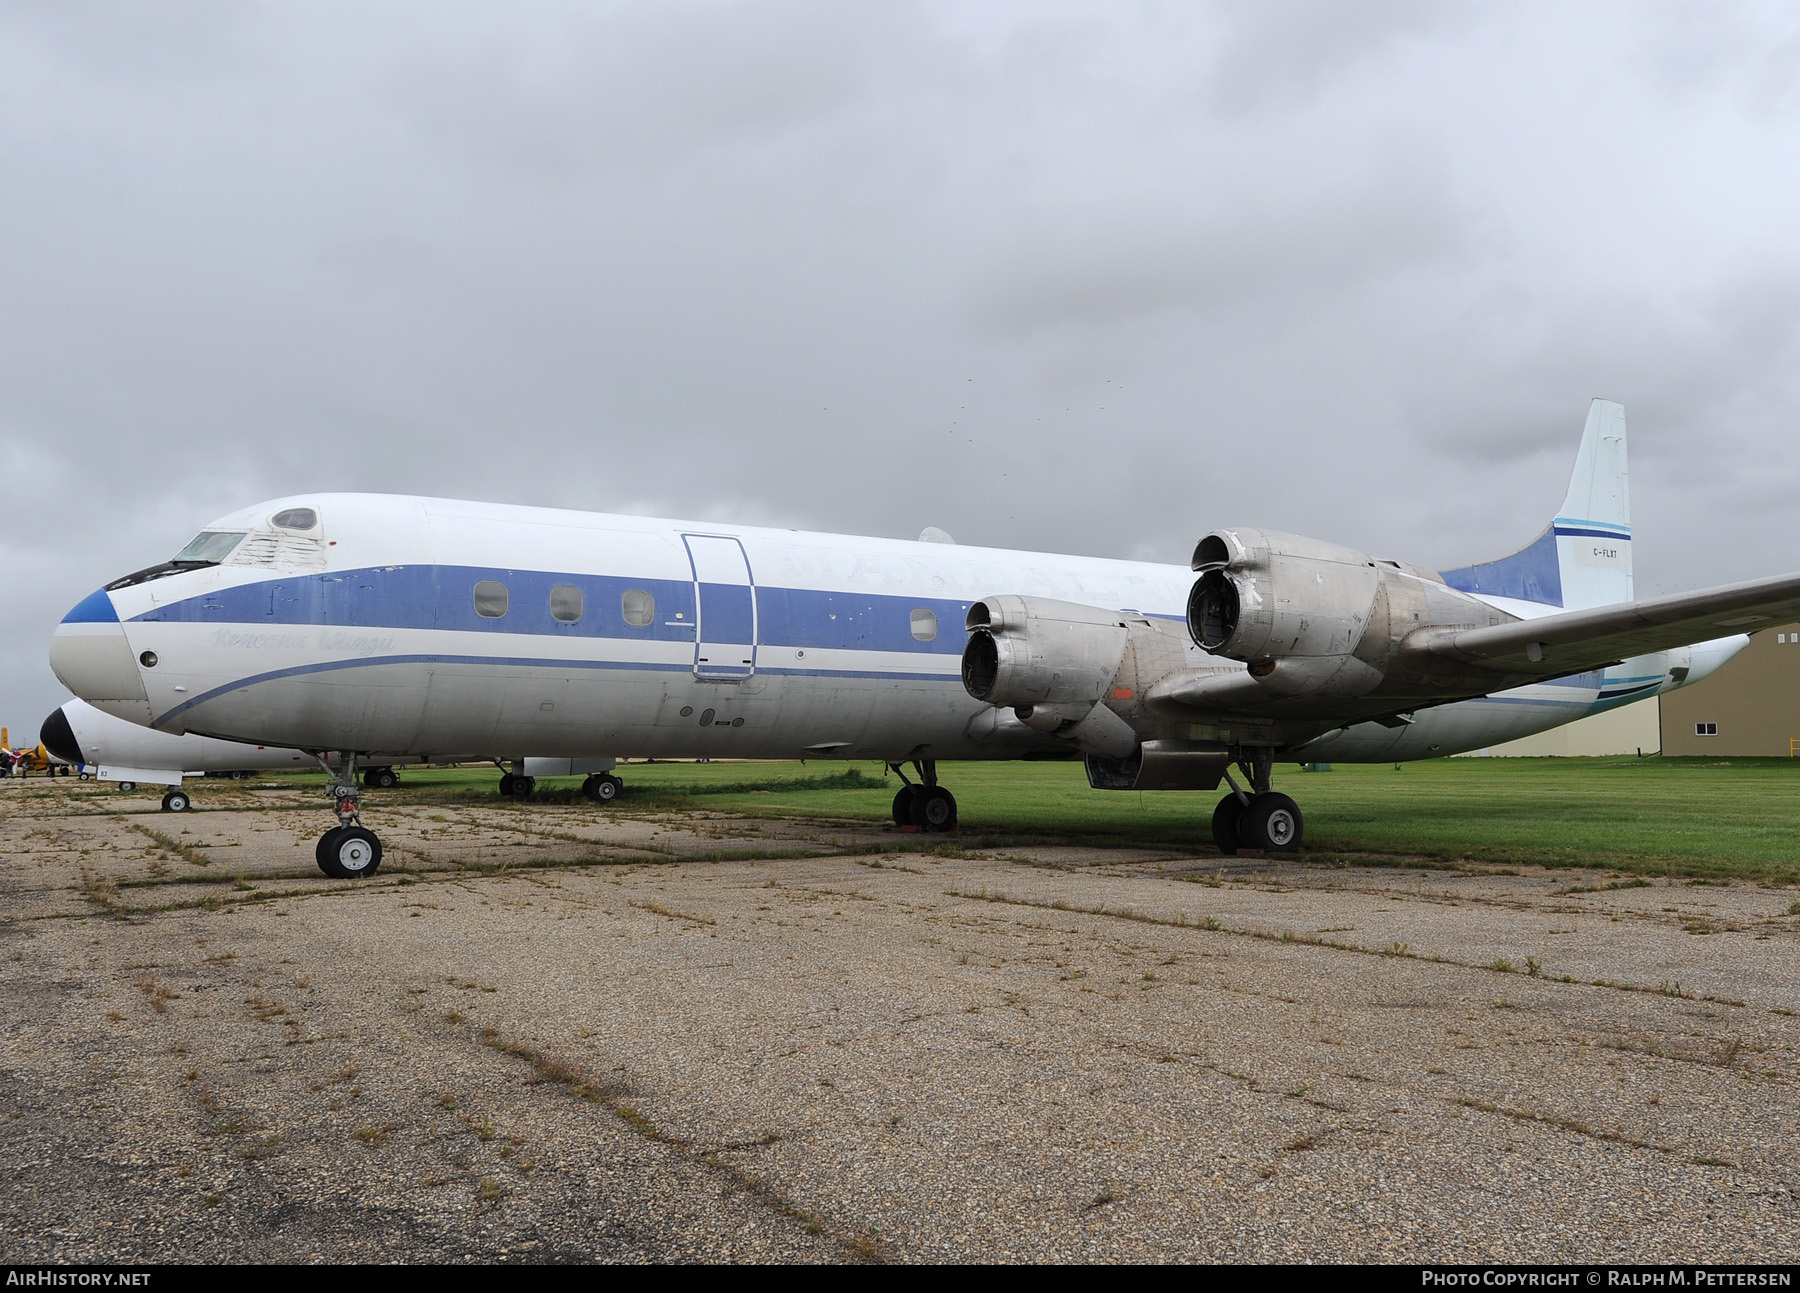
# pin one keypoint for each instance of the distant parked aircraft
(391, 627)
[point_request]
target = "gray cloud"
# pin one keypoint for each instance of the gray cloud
(1088, 278)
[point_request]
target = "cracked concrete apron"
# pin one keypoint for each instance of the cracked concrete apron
(554, 1033)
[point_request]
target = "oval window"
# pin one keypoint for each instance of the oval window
(924, 624)
(490, 599)
(638, 607)
(295, 518)
(565, 603)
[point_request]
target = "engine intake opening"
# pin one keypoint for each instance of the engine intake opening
(1213, 610)
(977, 617)
(980, 665)
(1213, 553)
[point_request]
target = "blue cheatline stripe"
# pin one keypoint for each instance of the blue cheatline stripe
(1611, 528)
(442, 597)
(1638, 690)
(1570, 532)
(95, 608)
(1524, 700)
(332, 666)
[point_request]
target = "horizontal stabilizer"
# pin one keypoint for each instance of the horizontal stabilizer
(1576, 641)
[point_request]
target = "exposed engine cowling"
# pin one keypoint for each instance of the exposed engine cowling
(1296, 610)
(1026, 651)
(1050, 662)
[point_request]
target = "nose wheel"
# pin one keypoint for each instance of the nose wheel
(349, 850)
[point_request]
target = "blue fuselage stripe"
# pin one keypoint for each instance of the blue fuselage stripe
(442, 597)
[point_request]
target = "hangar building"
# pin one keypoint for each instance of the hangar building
(1750, 707)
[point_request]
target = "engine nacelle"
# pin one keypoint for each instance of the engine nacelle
(1050, 662)
(1294, 609)
(1030, 651)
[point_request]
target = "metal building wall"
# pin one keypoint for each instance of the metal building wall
(1754, 699)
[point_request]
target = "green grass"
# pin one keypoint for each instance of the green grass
(1696, 818)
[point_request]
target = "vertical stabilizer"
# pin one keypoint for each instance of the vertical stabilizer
(1583, 557)
(1593, 529)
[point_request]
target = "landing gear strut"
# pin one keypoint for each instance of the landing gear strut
(1262, 819)
(928, 806)
(349, 850)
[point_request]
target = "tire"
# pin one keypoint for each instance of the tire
(522, 787)
(322, 852)
(349, 853)
(176, 801)
(128, 786)
(602, 788)
(381, 778)
(506, 784)
(1273, 824)
(934, 809)
(903, 801)
(1225, 825)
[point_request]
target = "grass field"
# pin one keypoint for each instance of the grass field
(1700, 818)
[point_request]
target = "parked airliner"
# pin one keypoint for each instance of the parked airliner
(383, 627)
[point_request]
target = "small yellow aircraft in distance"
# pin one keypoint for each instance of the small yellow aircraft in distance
(35, 759)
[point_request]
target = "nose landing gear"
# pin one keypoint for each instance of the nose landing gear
(349, 850)
(1262, 819)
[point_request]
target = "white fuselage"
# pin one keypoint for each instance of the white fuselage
(403, 626)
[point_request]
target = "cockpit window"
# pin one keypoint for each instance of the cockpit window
(210, 546)
(295, 518)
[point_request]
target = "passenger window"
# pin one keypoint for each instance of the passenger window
(638, 607)
(295, 518)
(490, 599)
(924, 624)
(210, 546)
(565, 603)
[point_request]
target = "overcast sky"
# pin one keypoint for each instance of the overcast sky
(1092, 278)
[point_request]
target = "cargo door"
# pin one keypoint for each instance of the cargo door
(725, 598)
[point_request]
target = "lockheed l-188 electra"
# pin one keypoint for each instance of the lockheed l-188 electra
(370, 630)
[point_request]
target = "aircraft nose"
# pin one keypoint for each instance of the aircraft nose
(90, 654)
(59, 738)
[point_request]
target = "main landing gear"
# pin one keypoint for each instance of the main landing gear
(381, 778)
(1260, 819)
(349, 850)
(175, 800)
(928, 806)
(602, 787)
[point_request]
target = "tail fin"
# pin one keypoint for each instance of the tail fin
(1583, 557)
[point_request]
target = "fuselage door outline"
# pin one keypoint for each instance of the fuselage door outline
(725, 607)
